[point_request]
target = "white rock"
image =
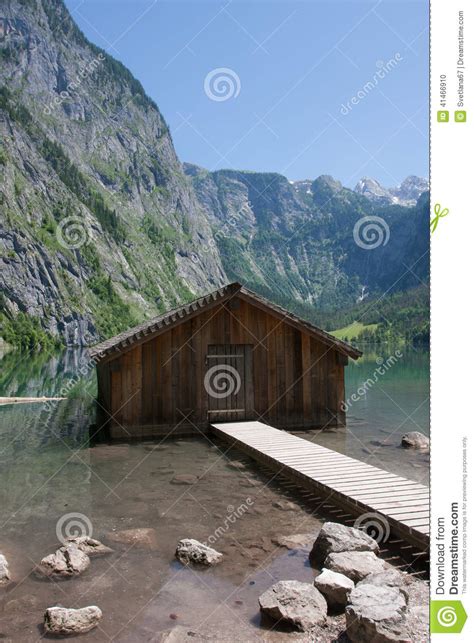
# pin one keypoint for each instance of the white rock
(65, 562)
(192, 551)
(334, 587)
(4, 571)
(61, 620)
(416, 440)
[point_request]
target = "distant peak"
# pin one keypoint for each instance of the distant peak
(329, 181)
(405, 194)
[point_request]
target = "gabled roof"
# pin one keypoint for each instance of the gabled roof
(157, 325)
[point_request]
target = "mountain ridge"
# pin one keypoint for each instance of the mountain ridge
(84, 146)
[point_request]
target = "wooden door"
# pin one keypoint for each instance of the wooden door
(228, 382)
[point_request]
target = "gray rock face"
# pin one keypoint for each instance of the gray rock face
(4, 571)
(388, 578)
(132, 164)
(415, 440)
(192, 551)
(61, 620)
(376, 614)
(67, 561)
(298, 604)
(355, 564)
(244, 205)
(335, 538)
(90, 546)
(334, 587)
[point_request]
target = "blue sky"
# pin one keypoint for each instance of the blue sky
(290, 66)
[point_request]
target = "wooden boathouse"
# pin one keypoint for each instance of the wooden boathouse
(228, 356)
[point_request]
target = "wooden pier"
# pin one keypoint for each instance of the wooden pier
(358, 487)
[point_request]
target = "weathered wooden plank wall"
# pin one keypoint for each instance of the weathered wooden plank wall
(297, 381)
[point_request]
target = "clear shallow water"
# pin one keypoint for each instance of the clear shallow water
(376, 420)
(48, 469)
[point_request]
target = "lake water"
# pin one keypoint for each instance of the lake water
(383, 405)
(49, 470)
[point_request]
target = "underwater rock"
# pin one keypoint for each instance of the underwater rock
(192, 551)
(143, 537)
(184, 478)
(90, 546)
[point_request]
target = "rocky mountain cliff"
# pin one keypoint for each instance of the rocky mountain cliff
(101, 225)
(87, 155)
(313, 243)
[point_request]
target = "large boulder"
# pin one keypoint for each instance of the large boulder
(415, 440)
(334, 587)
(355, 564)
(4, 571)
(376, 613)
(61, 620)
(334, 538)
(89, 546)
(66, 562)
(291, 602)
(192, 551)
(389, 578)
(142, 537)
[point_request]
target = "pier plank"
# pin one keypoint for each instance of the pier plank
(356, 486)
